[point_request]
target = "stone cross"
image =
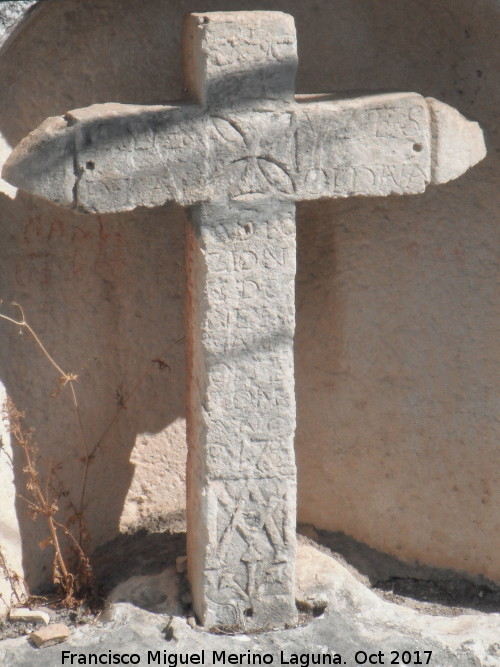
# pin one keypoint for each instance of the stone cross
(239, 155)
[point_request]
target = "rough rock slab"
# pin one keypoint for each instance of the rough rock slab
(356, 620)
(50, 635)
(157, 593)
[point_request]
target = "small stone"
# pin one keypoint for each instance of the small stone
(315, 605)
(30, 615)
(50, 635)
(181, 564)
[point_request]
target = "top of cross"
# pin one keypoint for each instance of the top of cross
(245, 135)
(234, 57)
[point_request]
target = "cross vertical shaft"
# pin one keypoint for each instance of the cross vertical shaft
(241, 412)
(241, 498)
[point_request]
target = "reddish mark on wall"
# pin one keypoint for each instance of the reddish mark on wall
(80, 234)
(459, 253)
(110, 249)
(79, 240)
(103, 234)
(33, 230)
(37, 230)
(56, 229)
(54, 246)
(412, 249)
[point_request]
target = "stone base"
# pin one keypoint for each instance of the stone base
(265, 614)
(356, 622)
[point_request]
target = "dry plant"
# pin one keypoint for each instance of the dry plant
(19, 591)
(72, 569)
(42, 501)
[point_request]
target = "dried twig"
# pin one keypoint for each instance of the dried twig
(19, 591)
(73, 575)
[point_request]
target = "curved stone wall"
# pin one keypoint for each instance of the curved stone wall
(397, 300)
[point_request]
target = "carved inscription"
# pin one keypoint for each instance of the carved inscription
(346, 181)
(250, 556)
(375, 145)
(378, 147)
(142, 159)
(248, 55)
(242, 262)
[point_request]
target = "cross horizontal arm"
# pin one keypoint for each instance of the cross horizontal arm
(113, 157)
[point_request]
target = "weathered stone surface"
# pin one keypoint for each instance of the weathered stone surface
(241, 471)
(50, 635)
(115, 157)
(241, 318)
(263, 155)
(239, 57)
(355, 620)
(159, 593)
(457, 143)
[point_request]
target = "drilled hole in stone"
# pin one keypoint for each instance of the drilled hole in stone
(248, 229)
(90, 165)
(418, 148)
(248, 612)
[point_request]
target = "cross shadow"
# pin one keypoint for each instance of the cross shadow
(106, 299)
(142, 553)
(396, 580)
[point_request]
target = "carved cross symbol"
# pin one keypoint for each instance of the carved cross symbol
(239, 156)
(250, 516)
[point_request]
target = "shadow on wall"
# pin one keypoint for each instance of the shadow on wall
(106, 297)
(106, 292)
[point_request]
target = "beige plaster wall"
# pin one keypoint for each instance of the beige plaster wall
(397, 301)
